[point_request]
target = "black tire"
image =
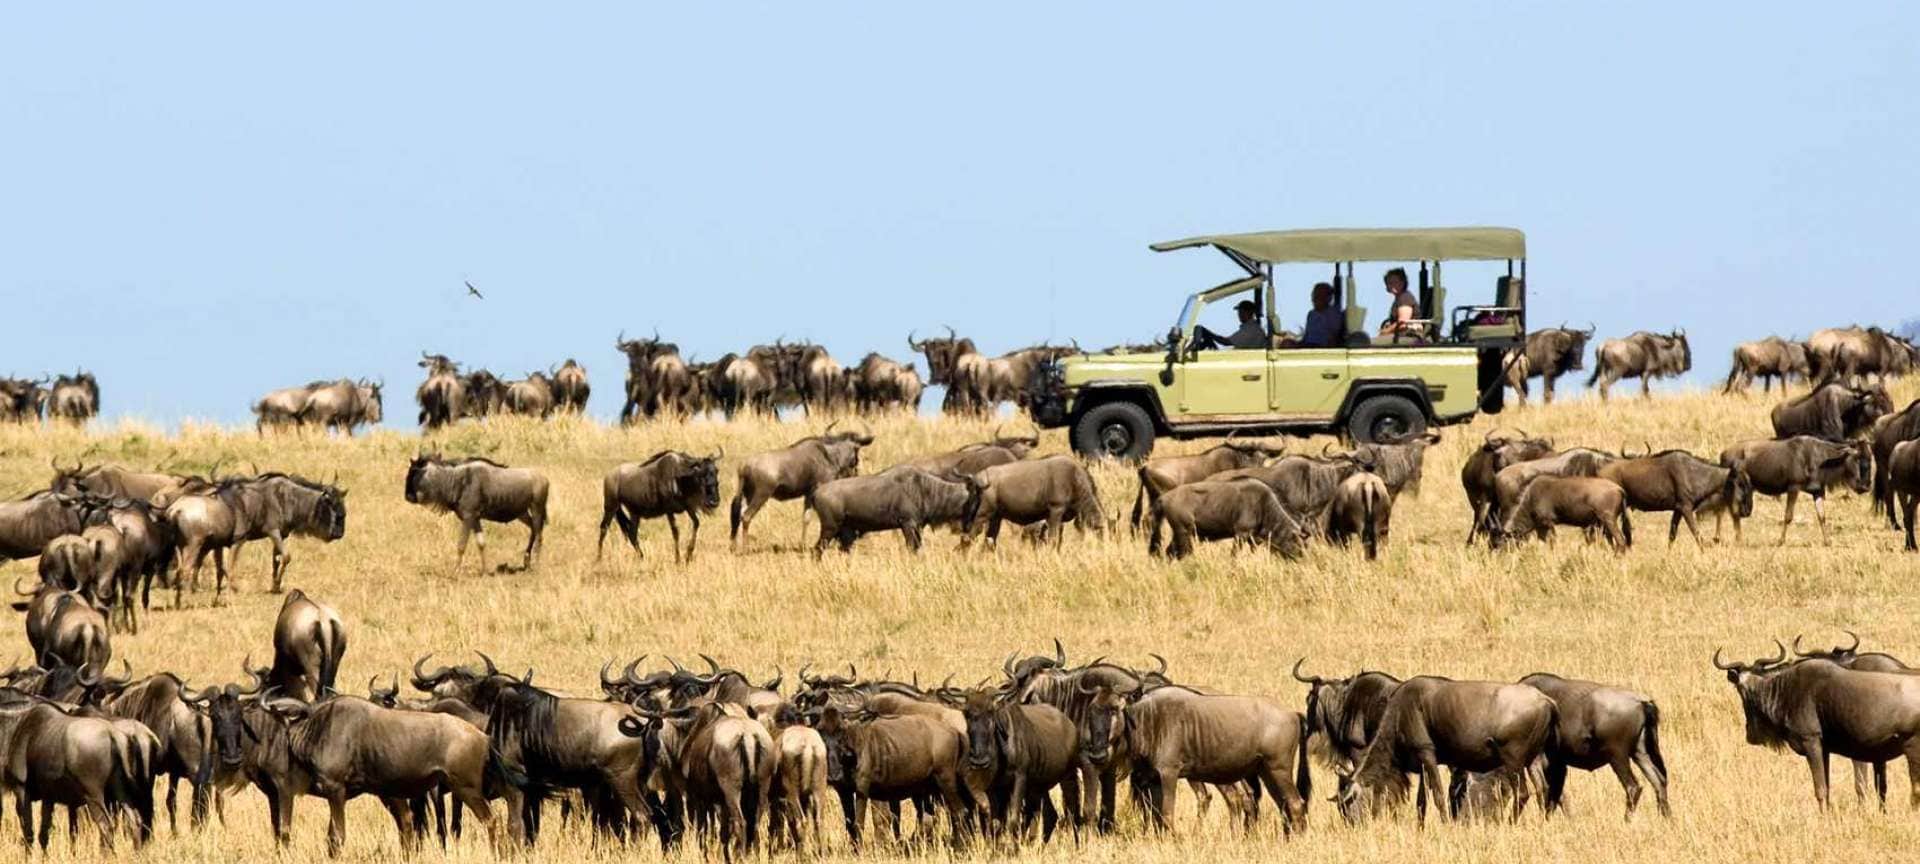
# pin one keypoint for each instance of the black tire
(1115, 430)
(1382, 419)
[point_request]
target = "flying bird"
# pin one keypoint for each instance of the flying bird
(474, 291)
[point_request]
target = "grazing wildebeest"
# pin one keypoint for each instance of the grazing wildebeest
(668, 483)
(1165, 472)
(1767, 359)
(1362, 507)
(1478, 475)
(1835, 412)
(342, 405)
(793, 472)
(283, 407)
(1511, 481)
(58, 756)
(902, 498)
(1053, 489)
(1585, 502)
(1245, 510)
(1015, 755)
(1602, 727)
(271, 507)
(27, 525)
(308, 641)
(1800, 464)
(724, 763)
(1681, 483)
(1482, 726)
(1548, 354)
(442, 397)
(1888, 432)
(890, 759)
(1820, 709)
(478, 490)
(979, 456)
(1173, 733)
(570, 387)
(1643, 355)
(1903, 482)
(75, 398)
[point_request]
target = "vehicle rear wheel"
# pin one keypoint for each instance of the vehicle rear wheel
(1385, 419)
(1115, 430)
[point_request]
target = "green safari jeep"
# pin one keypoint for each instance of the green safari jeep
(1443, 367)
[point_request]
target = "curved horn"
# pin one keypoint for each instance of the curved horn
(1718, 664)
(126, 675)
(1314, 680)
(259, 678)
(492, 670)
(1326, 450)
(1777, 657)
(676, 665)
(1796, 647)
(605, 682)
(1007, 666)
(626, 675)
(911, 345)
(803, 673)
(1162, 671)
(424, 679)
(1081, 687)
(1856, 642)
(713, 668)
(1059, 653)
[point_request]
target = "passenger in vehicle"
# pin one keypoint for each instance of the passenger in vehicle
(1250, 335)
(1326, 323)
(1405, 309)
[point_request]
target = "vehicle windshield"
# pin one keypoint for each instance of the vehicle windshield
(1186, 312)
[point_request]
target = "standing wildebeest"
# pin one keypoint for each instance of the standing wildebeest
(1767, 359)
(58, 756)
(113, 481)
(477, 490)
(1548, 354)
(669, 483)
(62, 627)
(641, 386)
(890, 759)
(902, 498)
(1681, 483)
(1872, 661)
(1903, 482)
(346, 747)
(283, 407)
(1400, 463)
(308, 641)
(271, 507)
(1800, 464)
(1305, 484)
(1820, 710)
(531, 396)
(1643, 355)
(87, 563)
(1016, 754)
(1835, 412)
(1511, 481)
(1478, 475)
(342, 405)
(27, 525)
(979, 456)
(1428, 722)
(146, 545)
(1888, 432)
(1603, 727)
(1850, 354)
(723, 763)
(560, 743)
(1053, 489)
(1585, 502)
(443, 395)
(22, 400)
(1362, 507)
(1244, 510)
(819, 378)
(1346, 714)
(164, 704)
(800, 781)
(570, 387)
(1159, 475)
(486, 395)
(75, 398)
(794, 472)
(880, 382)
(943, 357)
(1173, 733)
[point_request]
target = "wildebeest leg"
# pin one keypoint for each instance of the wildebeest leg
(693, 532)
(673, 527)
(219, 574)
(1166, 793)
(1108, 780)
(536, 534)
(194, 551)
(336, 824)
(281, 558)
(1817, 766)
(1909, 503)
(1860, 781)
(403, 812)
(1056, 519)
(1793, 497)
(460, 545)
(1070, 802)
(1820, 515)
(1430, 775)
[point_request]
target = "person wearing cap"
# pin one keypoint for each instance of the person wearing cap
(1250, 334)
(1406, 307)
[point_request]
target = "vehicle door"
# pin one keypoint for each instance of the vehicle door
(1222, 382)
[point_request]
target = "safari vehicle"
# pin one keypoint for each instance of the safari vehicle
(1447, 368)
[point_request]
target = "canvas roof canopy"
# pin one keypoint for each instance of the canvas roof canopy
(1365, 244)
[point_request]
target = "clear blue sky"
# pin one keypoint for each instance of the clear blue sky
(202, 204)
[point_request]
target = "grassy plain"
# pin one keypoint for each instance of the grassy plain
(1648, 620)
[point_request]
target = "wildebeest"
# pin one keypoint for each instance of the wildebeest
(74, 398)
(1585, 502)
(485, 394)
(902, 498)
(800, 783)
(146, 545)
(1401, 463)
(282, 407)
(157, 488)
(342, 405)
(891, 758)
(271, 507)
(1903, 482)
(85, 563)
(1509, 482)
(165, 705)
(1643, 355)
(1429, 722)
(62, 627)
(1800, 464)
(1345, 713)
(1362, 507)
(1483, 466)
(1819, 709)
(644, 391)
(1888, 432)
(1165, 472)
(570, 387)
(793, 472)
(1244, 510)
(27, 525)
(1603, 727)
(943, 356)
(753, 382)
(308, 641)
(1766, 359)
(22, 400)
(56, 756)
(442, 397)
(1548, 354)
(1851, 657)
(668, 483)
(880, 382)
(1835, 412)
(478, 490)
(531, 396)
(1174, 734)
(1849, 354)
(1681, 483)
(1015, 755)
(724, 763)
(979, 456)
(1053, 489)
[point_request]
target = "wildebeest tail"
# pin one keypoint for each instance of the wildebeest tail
(1139, 502)
(332, 645)
(1089, 512)
(1650, 735)
(1159, 517)
(1369, 533)
(733, 514)
(1599, 367)
(1626, 526)
(1302, 776)
(750, 760)
(501, 773)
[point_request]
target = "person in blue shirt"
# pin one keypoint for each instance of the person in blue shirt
(1327, 323)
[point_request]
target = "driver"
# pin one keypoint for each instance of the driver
(1250, 334)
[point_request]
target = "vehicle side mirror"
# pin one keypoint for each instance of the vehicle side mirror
(1173, 356)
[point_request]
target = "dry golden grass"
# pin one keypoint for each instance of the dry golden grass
(1648, 620)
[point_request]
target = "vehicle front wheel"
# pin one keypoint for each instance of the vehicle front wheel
(1115, 430)
(1386, 419)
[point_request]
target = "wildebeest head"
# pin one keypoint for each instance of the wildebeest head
(1750, 680)
(438, 364)
(1841, 654)
(476, 686)
(835, 730)
(417, 472)
(1105, 728)
(986, 727)
(372, 404)
(1019, 446)
(385, 697)
(329, 520)
(1020, 672)
(941, 354)
(816, 689)
(224, 708)
(699, 480)
(1738, 490)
